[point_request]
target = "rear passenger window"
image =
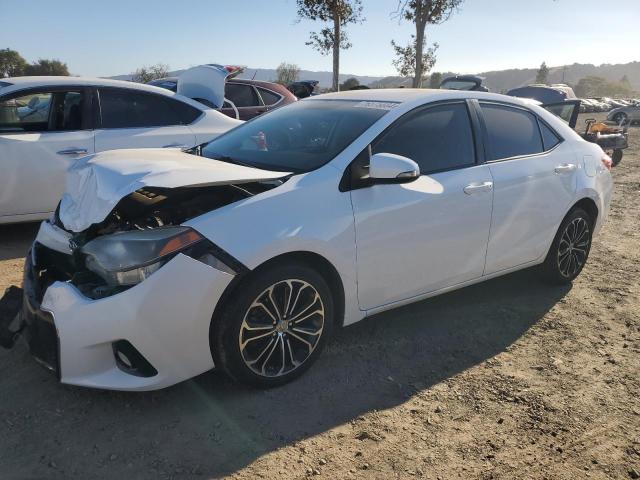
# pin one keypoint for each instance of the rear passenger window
(436, 138)
(269, 97)
(511, 132)
(549, 137)
(130, 109)
(241, 95)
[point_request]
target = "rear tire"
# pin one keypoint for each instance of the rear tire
(570, 248)
(616, 157)
(620, 118)
(274, 326)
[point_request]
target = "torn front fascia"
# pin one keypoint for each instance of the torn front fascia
(144, 209)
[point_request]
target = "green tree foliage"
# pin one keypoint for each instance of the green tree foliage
(349, 83)
(287, 73)
(47, 67)
(593, 86)
(11, 63)
(435, 80)
(332, 38)
(154, 72)
(405, 62)
(413, 57)
(543, 74)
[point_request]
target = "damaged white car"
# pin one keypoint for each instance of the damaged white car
(48, 123)
(160, 265)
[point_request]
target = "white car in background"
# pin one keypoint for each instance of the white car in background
(160, 264)
(48, 123)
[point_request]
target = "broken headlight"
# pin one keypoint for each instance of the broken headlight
(127, 258)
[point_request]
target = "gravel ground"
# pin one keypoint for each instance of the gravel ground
(508, 379)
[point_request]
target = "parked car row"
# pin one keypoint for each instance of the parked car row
(243, 99)
(606, 104)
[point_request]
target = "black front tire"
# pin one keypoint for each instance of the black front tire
(239, 317)
(570, 248)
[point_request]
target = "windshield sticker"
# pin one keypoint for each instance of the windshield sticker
(377, 105)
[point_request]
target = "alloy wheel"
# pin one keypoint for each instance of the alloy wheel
(573, 247)
(281, 328)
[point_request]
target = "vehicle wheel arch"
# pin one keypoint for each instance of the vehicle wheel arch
(589, 205)
(311, 259)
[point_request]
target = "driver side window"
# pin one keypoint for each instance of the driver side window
(437, 138)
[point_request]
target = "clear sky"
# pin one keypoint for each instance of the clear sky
(103, 38)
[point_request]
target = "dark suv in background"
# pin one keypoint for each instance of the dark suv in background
(251, 97)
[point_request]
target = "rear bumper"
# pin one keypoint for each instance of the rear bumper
(166, 318)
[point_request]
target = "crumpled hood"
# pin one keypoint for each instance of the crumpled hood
(96, 183)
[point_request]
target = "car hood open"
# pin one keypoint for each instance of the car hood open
(96, 183)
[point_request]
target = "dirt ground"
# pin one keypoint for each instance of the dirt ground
(508, 379)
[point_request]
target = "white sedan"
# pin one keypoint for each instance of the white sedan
(161, 265)
(48, 123)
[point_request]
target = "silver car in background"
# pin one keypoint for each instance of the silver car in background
(627, 114)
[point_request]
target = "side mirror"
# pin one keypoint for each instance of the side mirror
(392, 168)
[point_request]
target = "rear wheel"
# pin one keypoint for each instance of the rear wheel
(570, 248)
(274, 327)
(620, 118)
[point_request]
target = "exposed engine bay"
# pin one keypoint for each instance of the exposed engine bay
(153, 207)
(143, 210)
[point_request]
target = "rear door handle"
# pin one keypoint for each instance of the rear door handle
(478, 187)
(73, 151)
(565, 168)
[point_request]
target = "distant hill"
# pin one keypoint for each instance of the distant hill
(269, 75)
(507, 79)
(497, 81)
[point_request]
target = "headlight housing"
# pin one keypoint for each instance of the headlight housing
(127, 258)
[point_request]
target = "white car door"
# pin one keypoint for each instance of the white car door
(534, 175)
(432, 233)
(42, 133)
(136, 119)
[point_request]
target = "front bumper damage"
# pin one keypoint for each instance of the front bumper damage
(162, 323)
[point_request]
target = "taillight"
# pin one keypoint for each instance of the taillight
(606, 161)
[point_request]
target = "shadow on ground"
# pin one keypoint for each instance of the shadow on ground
(16, 239)
(209, 427)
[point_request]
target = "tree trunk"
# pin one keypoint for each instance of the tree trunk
(336, 53)
(417, 79)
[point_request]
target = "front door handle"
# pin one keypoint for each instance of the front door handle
(478, 187)
(565, 168)
(73, 151)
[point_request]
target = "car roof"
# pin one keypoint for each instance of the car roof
(414, 95)
(26, 82)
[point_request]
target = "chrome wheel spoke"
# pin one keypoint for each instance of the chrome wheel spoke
(300, 339)
(306, 331)
(271, 344)
(279, 314)
(264, 307)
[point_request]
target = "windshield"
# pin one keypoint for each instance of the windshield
(297, 138)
